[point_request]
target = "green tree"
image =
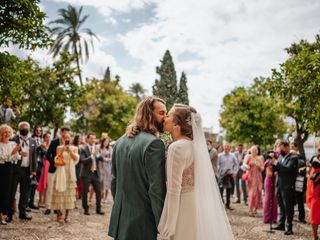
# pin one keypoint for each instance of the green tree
(183, 90)
(22, 23)
(296, 86)
(69, 34)
(137, 90)
(106, 107)
(43, 94)
(250, 115)
(166, 87)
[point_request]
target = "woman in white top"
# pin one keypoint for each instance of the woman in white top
(64, 195)
(9, 155)
(193, 209)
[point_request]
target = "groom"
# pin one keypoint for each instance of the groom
(138, 170)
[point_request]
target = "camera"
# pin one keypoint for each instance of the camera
(315, 163)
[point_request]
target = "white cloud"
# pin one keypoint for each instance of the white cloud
(106, 7)
(234, 41)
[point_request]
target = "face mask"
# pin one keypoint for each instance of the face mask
(283, 153)
(23, 132)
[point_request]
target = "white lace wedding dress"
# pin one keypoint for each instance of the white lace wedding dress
(193, 209)
(178, 216)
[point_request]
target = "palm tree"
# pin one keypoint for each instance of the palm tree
(137, 90)
(68, 34)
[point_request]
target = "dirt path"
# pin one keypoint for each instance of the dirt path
(94, 227)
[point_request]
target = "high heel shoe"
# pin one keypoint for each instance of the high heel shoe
(2, 220)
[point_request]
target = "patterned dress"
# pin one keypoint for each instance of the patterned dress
(254, 186)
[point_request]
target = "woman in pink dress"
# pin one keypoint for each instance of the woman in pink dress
(270, 204)
(42, 185)
(254, 166)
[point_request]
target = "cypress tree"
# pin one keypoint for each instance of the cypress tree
(166, 86)
(183, 90)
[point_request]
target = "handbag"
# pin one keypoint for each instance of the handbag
(59, 161)
(244, 177)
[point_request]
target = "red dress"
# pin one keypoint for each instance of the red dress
(42, 185)
(313, 199)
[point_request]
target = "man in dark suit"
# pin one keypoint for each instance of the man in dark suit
(37, 136)
(287, 168)
(23, 171)
(90, 173)
(50, 155)
(138, 175)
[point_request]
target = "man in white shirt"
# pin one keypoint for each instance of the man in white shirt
(24, 171)
(227, 166)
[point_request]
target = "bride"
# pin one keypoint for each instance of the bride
(193, 209)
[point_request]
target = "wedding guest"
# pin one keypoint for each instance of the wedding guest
(37, 136)
(213, 157)
(105, 154)
(90, 173)
(240, 155)
(23, 171)
(8, 114)
(276, 148)
(78, 142)
(50, 155)
(226, 163)
(42, 184)
(301, 182)
(287, 168)
(63, 195)
(313, 196)
(270, 205)
(9, 155)
(254, 166)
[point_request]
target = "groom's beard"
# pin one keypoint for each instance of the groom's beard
(159, 127)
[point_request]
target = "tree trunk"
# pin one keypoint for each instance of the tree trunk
(78, 64)
(55, 132)
(301, 138)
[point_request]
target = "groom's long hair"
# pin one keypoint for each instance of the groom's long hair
(144, 119)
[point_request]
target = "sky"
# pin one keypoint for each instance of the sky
(220, 45)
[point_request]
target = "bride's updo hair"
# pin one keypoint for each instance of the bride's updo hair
(182, 117)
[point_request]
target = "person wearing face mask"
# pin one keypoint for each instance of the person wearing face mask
(287, 168)
(313, 195)
(8, 114)
(24, 170)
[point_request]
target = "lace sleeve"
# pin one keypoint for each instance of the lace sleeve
(175, 167)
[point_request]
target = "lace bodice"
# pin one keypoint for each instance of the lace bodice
(188, 179)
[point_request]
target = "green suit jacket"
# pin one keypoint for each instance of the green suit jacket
(138, 187)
